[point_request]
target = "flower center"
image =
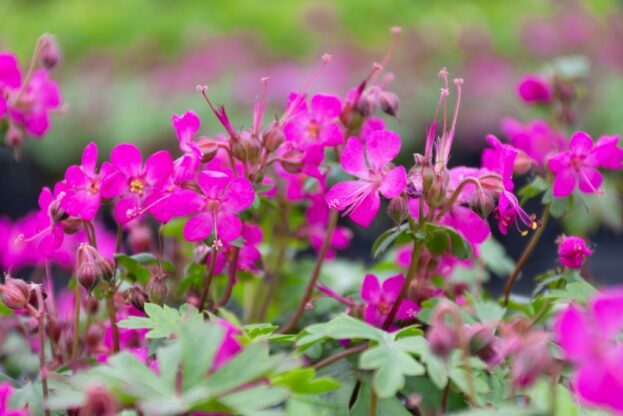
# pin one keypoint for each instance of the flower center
(313, 130)
(93, 187)
(137, 186)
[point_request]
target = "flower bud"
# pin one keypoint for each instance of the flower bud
(72, 225)
(88, 275)
(442, 339)
(398, 209)
(523, 163)
(480, 341)
(99, 402)
(428, 177)
(54, 329)
(56, 212)
(157, 289)
(273, 137)
(90, 305)
(493, 183)
(95, 335)
(572, 251)
(14, 293)
(139, 238)
(208, 148)
(292, 161)
(368, 102)
(437, 192)
(108, 268)
(239, 150)
(136, 297)
(482, 202)
(389, 103)
(534, 89)
(49, 52)
(531, 360)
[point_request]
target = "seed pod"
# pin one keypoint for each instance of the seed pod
(482, 202)
(273, 137)
(157, 289)
(398, 209)
(389, 103)
(49, 54)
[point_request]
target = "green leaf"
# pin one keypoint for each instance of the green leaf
(493, 255)
(440, 239)
(204, 338)
(342, 327)
(579, 291)
(390, 406)
(436, 368)
(387, 238)
(255, 399)
(302, 381)
(489, 311)
(534, 188)
(163, 321)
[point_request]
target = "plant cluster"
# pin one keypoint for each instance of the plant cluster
(205, 301)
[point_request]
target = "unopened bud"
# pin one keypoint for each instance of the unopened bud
(523, 163)
(437, 192)
(480, 341)
(95, 335)
(49, 54)
(273, 137)
(54, 329)
(398, 209)
(292, 161)
(136, 297)
(157, 289)
(90, 305)
(441, 339)
(208, 148)
(492, 183)
(14, 293)
(254, 149)
(88, 275)
(99, 402)
(108, 268)
(72, 225)
(482, 202)
(389, 103)
(368, 102)
(56, 212)
(239, 150)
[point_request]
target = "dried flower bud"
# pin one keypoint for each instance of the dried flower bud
(482, 202)
(14, 293)
(91, 267)
(54, 329)
(157, 289)
(139, 238)
(398, 209)
(136, 297)
(389, 103)
(49, 54)
(99, 402)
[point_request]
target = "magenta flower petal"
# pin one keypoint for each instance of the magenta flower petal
(370, 289)
(10, 74)
(564, 183)
(469, 224)
(407, 310)
(126, 209)
(114, 182)
(353, 159)
(342, 194)
(158, 167)
(89, 159)
(82, 204)
(573, 333)
(533, 89)
(606, 153)
(580, 143)
(372, 315)
(331, 135)
(228, 226)
(382, 147)
(598, 384)
(365, 212)
(238, 195)
(392, 286)
(590, 179)
(608, 311)
(198, 227)
(213, 183)
(186, 125)
(394, 182)
(326, 106)
(127, 158)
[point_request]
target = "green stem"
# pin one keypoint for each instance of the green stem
(119, 238)
(526, 254)
(340, 355)
(74, 349)
(112, 316)
(311, 284)
(207, 281)
(231, 278)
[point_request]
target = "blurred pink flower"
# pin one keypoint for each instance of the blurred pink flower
(572, 250)
(380, 300)
(534, 89)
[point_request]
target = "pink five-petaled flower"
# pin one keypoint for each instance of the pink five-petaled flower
(572, 250)
(380, 300)
(84, 183)
(591, 340)
(579, 164)
(10, 77)
(49, 230)
(216, 209)
(360, 199)
(534, 89)
(137, 186)
(317, 125)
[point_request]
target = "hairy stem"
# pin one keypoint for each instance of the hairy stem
(311, 284)
(373, 399)
(40, 315)
(526, 254)
(119, 238)
(342, 354)
(444, 399)
(207, 281)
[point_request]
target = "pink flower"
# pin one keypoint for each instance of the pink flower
(216, 209)
(36, 101)
(229, 347)
(10, 77)
(6, 390)
(49, 230)
(590, 340)
(84, 185)
(136, 185)
(578, 165)
(534, 89)
(572, 250)
(536, 138)
(360, 198)
(186, 126)
(317, 125)
(500, 158)
(380, 300)
(249, 256)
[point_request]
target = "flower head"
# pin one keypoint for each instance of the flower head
(534, 89)
(381, 298)
(572, 251)
(316, 125)
(360, 199)
(578, 165)
(222, 197)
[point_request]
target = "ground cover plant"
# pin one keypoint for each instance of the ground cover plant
(223, 292)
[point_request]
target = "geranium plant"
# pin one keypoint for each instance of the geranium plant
(223, 291)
